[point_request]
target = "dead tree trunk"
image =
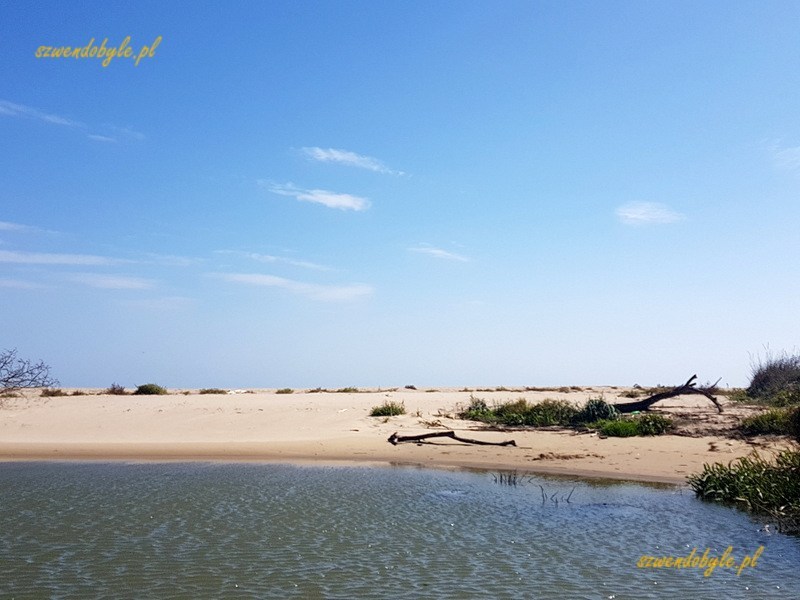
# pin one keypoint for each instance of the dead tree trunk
(686, 388)
(395, 439)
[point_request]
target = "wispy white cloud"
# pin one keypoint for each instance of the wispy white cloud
(11, 109)
(7, 226)
(787, 158)
(327, 293)
(270, 259)
(645, 213)
(350, 159)
(438, 253)
(112, 282)
(20, 284)
(17, 227)
(45, 258)
(123, 132)
(167, 303)
(170, 260)
(102, 138)
(305, 264)
(324, 197)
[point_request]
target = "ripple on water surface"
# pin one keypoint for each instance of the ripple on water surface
(256, 531)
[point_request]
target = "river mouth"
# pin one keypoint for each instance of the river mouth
(209, 530)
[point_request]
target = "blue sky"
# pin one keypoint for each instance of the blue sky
(386, 193)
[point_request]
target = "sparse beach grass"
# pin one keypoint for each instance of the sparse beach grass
(390, 408)
(52, 393)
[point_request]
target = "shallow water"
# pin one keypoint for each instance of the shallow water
(70, 530)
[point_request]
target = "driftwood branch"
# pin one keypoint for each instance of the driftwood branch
(395, 439)
(686, 388)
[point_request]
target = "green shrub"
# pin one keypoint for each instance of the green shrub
(477, 410)
(787, 397)
(757, 484)
(596, 409)
(284, 391)
(550, 412)
(212, 391)
(774, 421)
(794, 422)
(512, 414)
(150, 389)
(520, 412)
(116, 390)
(652, 424)
(776, 379)
(620, 428)
(646, 424)
(596, 413)
(347, 390)
(390, 408)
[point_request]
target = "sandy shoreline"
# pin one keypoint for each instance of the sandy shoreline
(335, 427)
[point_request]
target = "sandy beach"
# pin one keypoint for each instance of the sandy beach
(263, 425)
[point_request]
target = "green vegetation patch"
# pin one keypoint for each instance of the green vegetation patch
(775, 381)
(621, 428)
(757, 484)
(653, 424)
(212, 391)
(595, 414)
(774, 421)
(521, 412)
(150, 389)
(640, 425)
(596, 409)
(284, 391)
(390, 408)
